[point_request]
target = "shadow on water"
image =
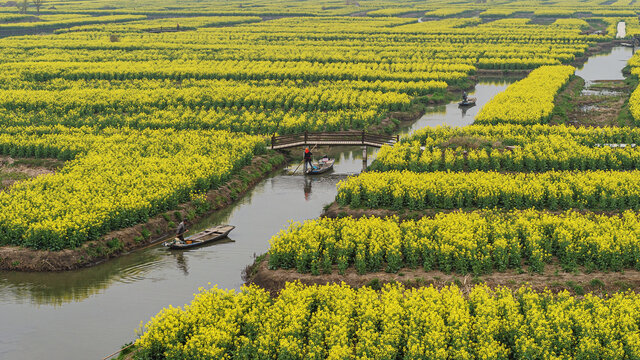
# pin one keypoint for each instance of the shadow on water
(87, 313)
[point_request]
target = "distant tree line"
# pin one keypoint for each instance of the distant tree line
(23, 5)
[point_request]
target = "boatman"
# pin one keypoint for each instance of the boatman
(182, 228)
(307, 160)
(464, 96)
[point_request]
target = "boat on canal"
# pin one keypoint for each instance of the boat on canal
(325, 164)
(467, 103)
(204, 237)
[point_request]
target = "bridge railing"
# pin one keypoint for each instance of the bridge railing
(333, 138)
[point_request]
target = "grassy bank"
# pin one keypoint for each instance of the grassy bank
(554, 279)
(117, 243)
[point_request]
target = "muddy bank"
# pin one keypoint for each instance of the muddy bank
(598, 48)
(335, 210)
(493, 73)
(395, 119)
(117, 243)
(553, 279)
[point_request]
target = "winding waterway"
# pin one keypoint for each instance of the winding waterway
(89, 313)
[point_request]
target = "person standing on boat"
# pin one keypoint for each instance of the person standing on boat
(307, 159)
(182, 228)
(464, 96)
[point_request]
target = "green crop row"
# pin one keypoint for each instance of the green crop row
(339, 322)
(606, 190)
(465, 242)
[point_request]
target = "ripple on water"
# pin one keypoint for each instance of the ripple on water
(137, 272)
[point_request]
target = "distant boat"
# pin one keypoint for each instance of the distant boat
(324, 165)
(468, 102)
(209, 235)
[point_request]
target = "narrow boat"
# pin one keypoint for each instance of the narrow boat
(324, 165)
(209, 235)
(468, 102)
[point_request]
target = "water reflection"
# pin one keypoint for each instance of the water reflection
(464, 109)
(606, 66)
(181, 261)
(120, 293)
(307, 187)
(72, 286)
(257, 216)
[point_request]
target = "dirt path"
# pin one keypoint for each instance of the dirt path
(553, 279)
(13, 170)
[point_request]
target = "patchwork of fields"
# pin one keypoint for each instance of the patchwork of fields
(240, 75)
(152, 106)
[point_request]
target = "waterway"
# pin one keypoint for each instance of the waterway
(605, 66)
(90, 313)
(621, 30)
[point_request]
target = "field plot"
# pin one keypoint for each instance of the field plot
(233, 74)
(513, 148)
(477, 242)
(528, 101)
(337, 322)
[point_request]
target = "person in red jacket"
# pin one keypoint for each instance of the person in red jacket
(307, 160)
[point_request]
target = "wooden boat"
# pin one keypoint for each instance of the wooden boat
(209, 235)
(468, 102)
(321, 167)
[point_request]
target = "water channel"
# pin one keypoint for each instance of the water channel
(89, 313)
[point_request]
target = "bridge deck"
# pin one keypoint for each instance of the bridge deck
(333, 138)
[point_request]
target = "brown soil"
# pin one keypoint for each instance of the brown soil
(335, 211)
(132, 238)
(599, 110)
(501, 73)
(553, 279)
(128, 356)
(25, 168)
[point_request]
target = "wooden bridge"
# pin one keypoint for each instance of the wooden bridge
(340, 138)
(163, 29)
